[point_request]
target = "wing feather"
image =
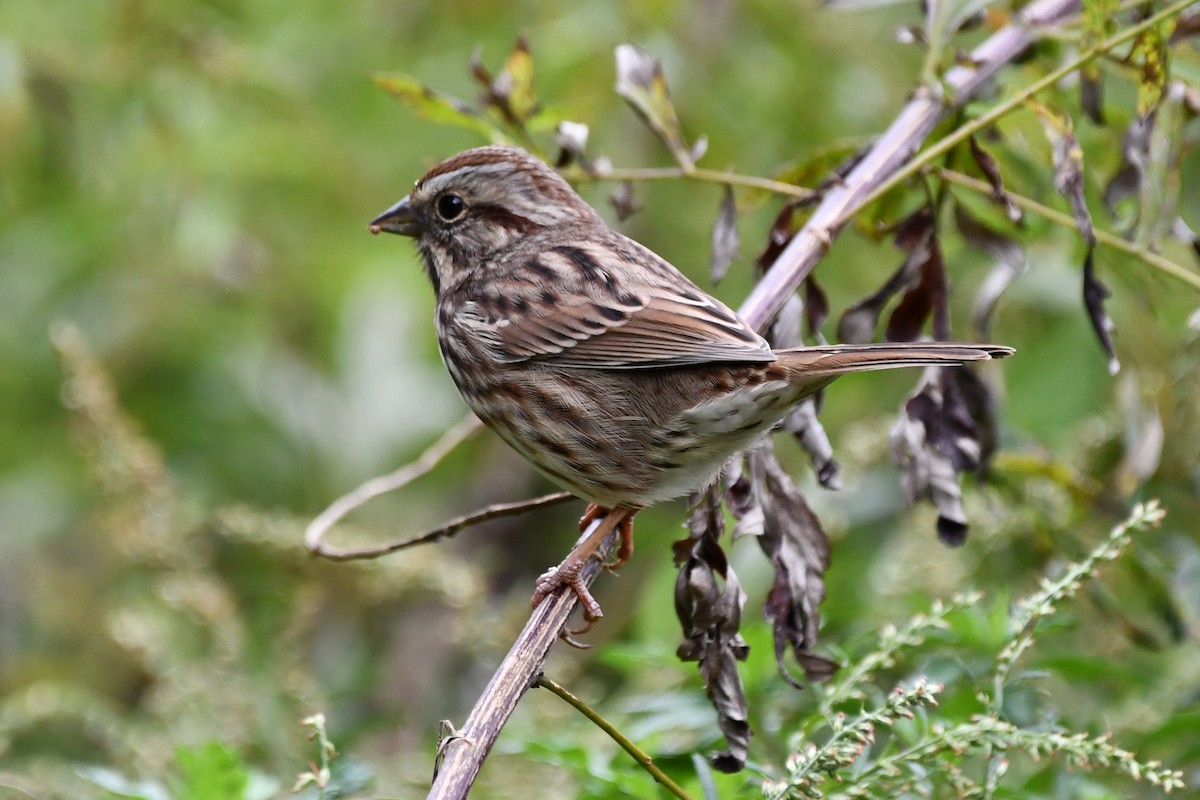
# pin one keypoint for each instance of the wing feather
(579, 312)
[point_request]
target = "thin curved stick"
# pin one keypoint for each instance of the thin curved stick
(467, 427)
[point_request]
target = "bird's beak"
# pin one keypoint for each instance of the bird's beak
(400, 219)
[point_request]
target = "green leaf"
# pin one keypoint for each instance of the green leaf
(210, 772)
(438, 107)
(519, 68)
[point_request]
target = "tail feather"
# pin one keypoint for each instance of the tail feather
(838, 359)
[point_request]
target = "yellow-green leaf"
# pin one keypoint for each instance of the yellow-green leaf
(641, 82)
(518, 67)
(437, 107)
(1150, 57)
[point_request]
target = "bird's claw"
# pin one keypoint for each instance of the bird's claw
(569, 574)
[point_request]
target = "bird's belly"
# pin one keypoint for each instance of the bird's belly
(598, 437)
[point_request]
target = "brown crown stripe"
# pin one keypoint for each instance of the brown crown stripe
(478, 157)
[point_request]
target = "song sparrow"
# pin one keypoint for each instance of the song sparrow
(609, 370)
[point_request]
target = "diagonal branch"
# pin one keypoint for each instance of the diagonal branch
(314, 536)
(463, 754)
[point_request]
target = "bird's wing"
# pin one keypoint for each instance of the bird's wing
(569, 306)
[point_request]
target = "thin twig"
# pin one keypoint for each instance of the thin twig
(698, 174)
(463, 754)
(444, 531)
(639, 755)
(1148, 257)
(467, 427)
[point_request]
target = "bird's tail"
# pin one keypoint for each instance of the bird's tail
(839, 359)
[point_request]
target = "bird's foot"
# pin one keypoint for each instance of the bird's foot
(570, 574)
(625, 548)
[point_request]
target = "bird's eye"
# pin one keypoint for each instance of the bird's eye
(450, 207)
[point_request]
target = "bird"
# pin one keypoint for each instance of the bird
(604, 366)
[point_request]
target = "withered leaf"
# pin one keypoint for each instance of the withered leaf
(1143, 195)
(991, 170)
(572, 139)
(709, 601)
(1123, 189)
(1091, 93)
(816, 306)
(795, 542)
(1094, 295)
(973, 397)
(857, 323)
(934, 439)
(1068, 167)
(725, 238)
(804, 423)
(784, 330)
(781, 233)
(1143, 439)
(641, 82)
(1009, 263)
(624, 200)
(928, 297)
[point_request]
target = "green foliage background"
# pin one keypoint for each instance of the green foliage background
(202, 346)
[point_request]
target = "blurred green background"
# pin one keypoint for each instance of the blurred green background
(185, 188)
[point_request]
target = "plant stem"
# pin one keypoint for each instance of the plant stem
(695, 173)
(1141, 253)
(628, 746)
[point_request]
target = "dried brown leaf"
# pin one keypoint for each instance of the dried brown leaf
(1094, 295)
(624, 200)
(936, 438)
(804, 424)
(796, 544)
(929, 297)
(857, 323)
(725, 238)
(709, 601)
(991, 170)
(816, 307)
(1068, 172)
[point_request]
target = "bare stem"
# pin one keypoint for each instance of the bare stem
(444, 531)
(697, 174)
(639, 755)
(467, 427)
(1146, 256)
